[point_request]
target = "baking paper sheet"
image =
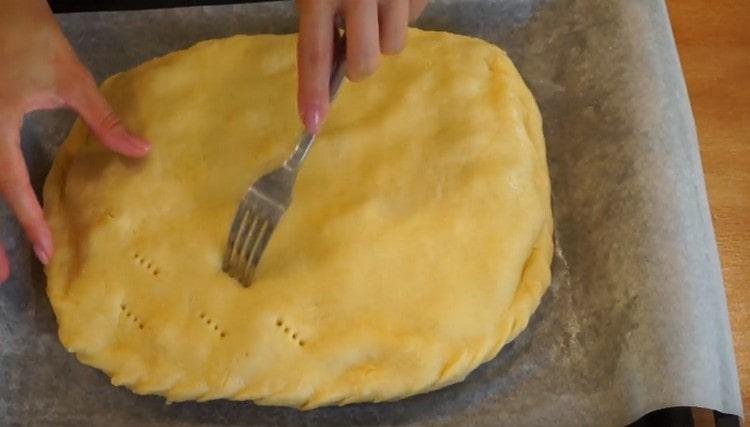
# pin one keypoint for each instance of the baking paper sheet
(636, 317)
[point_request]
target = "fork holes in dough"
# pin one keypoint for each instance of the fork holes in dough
(213, 325)
(132, 317)
(147, 264)
(289, 332)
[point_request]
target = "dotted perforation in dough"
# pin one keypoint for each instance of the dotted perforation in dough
(289, 332)
(125, 311)
(212, 325)
(147, 264)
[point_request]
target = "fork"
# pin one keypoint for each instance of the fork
(269, 197)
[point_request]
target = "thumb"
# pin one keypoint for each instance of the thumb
(4, 266)
(84, 97)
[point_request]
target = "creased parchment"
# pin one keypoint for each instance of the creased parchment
(636, 318)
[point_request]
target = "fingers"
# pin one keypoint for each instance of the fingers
(394, 19)
(4, 266)
(363, 38)
(16, 189)
(370, 30)
(314, 56)
(84, 97)
(415, 9)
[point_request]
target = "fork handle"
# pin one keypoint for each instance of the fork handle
(338, 71)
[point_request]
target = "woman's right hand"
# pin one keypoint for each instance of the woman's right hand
(372, 26)
(40, 70)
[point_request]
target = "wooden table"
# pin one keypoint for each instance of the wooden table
(713, 39)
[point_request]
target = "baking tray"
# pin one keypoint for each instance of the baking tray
(635, 319)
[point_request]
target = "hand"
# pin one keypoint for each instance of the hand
(40, 70)
(372, 27)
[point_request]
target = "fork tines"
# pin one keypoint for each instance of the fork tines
(249, 235)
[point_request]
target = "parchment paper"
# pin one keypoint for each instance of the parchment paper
(635, 321)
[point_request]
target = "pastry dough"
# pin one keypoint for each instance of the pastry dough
(418, 243)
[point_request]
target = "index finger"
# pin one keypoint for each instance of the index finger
(314, 56)
(415, 9)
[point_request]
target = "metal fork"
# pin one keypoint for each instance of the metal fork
(268, 198)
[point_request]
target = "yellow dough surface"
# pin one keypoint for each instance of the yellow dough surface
(418, 242)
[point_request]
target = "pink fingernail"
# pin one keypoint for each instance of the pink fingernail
(43, 247)
(312, 117)
(140, 144)
(137, 143)
(41, 254)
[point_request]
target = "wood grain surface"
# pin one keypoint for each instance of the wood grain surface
(713, 39)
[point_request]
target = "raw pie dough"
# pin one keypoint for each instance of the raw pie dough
(418, 243)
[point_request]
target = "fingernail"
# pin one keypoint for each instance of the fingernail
(312, 117)
(140, 144)
(41, 254)
(43, 247)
